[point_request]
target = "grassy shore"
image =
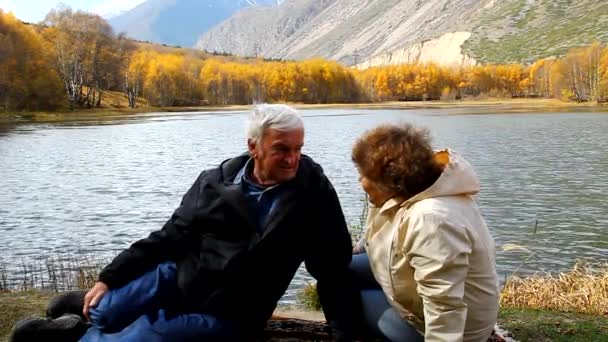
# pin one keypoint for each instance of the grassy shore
(15, 306)
(583, 289)
(489, 106)
(524, 324)
(543, 325)
(515, 104)
(571, 306)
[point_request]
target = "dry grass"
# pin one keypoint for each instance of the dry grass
(27, 293)
(308, 297)
(15, 306)
(584, 289)
(52, 274)
(544, 326)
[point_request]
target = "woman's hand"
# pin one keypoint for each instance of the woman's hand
(359, 246)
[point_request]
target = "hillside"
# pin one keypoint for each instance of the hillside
(178, 22)
(258, 30)
(527, 30)
(376, 32)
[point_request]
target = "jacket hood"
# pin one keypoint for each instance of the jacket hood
(457, 178)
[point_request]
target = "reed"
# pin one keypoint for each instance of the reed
(308, 297)
(583, 289)
(54, 274)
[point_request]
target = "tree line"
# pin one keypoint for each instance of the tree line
(72, 58)
(581, 75)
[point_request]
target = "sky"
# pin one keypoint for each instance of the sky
(35, 10)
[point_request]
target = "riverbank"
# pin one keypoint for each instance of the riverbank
(489, 106)
(523, 324)
(570, 306)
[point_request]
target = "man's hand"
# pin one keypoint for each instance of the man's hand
(92, 298)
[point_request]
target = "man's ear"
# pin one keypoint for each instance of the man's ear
(251, 146)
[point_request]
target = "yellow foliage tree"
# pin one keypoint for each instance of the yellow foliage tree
(603, 76)
(85, 54)
(85, 59)
(26, 81)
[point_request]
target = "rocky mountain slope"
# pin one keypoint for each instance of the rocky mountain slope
(526, 30)
(257, 30)
(179, 22)
(448, 32)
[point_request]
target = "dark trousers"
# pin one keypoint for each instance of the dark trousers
(381, 319)
(134, 313)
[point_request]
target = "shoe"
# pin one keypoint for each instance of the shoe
(67, 303)
(67, 328)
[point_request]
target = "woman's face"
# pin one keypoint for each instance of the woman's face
(376, 196)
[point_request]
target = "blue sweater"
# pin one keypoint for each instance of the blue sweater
(261, 199)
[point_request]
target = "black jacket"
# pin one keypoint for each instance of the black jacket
(225, 268)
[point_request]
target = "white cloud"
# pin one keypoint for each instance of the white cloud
(109, 8)
(32, 11)
(35, 10)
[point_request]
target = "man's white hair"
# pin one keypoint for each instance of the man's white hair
(279, 117)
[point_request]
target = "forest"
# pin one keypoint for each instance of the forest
(72, 58)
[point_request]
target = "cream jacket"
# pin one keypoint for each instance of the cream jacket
(434, 257)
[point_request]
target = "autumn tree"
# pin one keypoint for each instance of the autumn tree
(603, 76)
(539, 78)
(79, 53)
(85, 54)
(26, 81)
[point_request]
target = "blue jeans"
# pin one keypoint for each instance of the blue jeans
(134, 313)
(380, 318)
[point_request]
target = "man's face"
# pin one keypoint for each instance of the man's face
(277, 155)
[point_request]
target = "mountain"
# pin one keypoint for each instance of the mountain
(526, 30)
(179, 22)
(260, 29)
(447, 32)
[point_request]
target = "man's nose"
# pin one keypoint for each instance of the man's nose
(291, 158)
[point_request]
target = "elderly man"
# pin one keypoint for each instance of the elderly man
(218, 267)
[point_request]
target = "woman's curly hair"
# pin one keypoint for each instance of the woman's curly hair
(397, 157)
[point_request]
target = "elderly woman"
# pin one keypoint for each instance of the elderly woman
(426, 266)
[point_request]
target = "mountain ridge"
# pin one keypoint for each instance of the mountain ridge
(179, 22)
(375, 31)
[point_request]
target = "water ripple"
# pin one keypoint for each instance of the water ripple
(94, 189)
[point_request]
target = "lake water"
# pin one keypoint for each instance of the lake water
(94, 187)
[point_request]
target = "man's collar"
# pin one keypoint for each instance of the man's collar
(242, 174)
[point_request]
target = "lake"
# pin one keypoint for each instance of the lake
(93, 187)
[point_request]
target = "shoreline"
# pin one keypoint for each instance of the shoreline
(521, 324)
(460, 107)
(533, 308)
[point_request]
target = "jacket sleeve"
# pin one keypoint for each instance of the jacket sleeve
(169, 243)
(328, 260)
(439, 253)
